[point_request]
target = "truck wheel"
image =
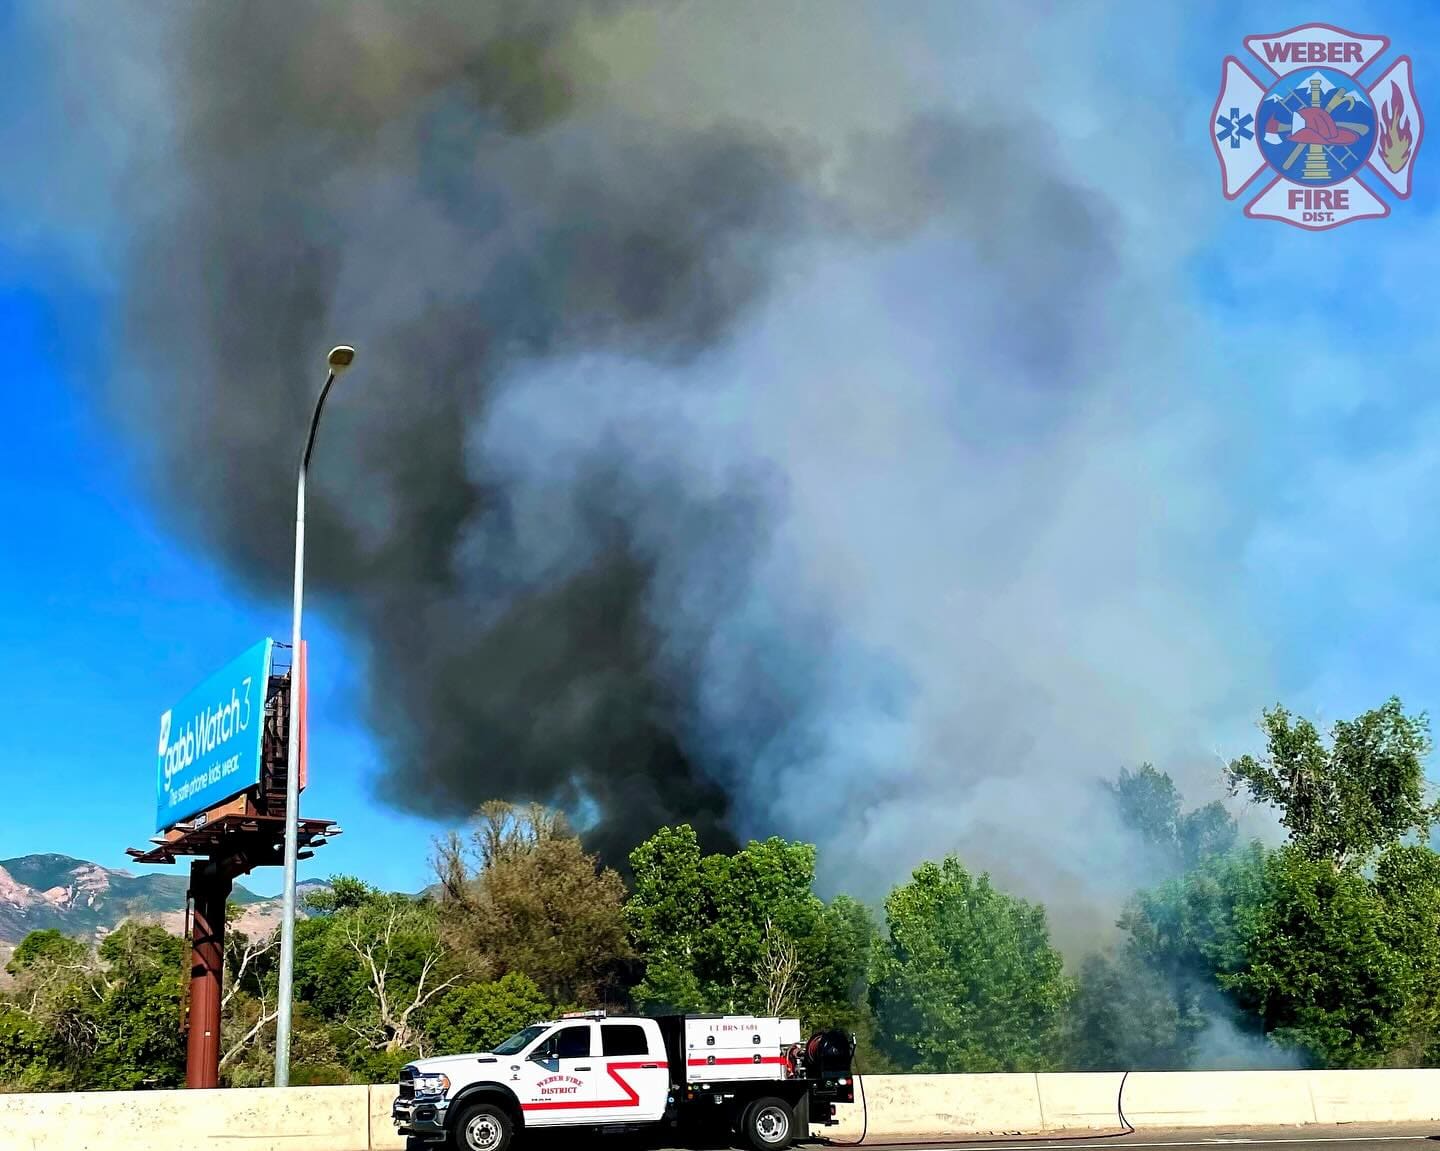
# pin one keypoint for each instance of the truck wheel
(768, 1124)
(483, 1127)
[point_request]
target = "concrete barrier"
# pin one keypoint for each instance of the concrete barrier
(263, 1119)
(382, 1130)
(1086, 1101)
(1218, 1099)
(900, 1106)
(925, 1105)
(1356, 1096)
(1030, 1104)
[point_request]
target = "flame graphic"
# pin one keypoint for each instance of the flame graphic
(1396, 140)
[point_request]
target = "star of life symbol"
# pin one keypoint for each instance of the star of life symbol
(1313, 135)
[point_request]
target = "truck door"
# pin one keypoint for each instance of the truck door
(634, 1081)
(556, 1082)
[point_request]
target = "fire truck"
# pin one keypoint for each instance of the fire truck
(747, 1079)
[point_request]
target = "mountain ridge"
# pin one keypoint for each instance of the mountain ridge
(88, 901)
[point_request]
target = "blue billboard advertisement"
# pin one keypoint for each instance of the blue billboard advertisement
(210, 740)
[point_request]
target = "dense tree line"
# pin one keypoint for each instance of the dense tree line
(1322, 951)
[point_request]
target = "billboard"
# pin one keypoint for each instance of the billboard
(210, 740)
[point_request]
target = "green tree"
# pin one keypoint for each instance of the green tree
(1340, 957)
(480, 1015)
(966, 979)
(368, 966)
(524, 895)
(1323, 959)
(667, 917)
(1126, 1016)
(744, 932)
(1407, 881)
(328, 976)
(26, 1062)
(1149, 802)
(1195, 927)
(77, 1019)
(1320, 968)
(1182, 936)
(141, 1040)
(839, 952)
(1344, 801)
(48, 949)
(53, 1004)
(342, 893)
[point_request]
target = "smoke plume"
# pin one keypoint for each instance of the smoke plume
(755, 424)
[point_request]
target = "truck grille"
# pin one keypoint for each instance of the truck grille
(407, 1084)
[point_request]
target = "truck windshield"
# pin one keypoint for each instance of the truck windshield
(517, 1042)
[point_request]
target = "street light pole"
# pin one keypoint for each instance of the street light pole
(340, 359)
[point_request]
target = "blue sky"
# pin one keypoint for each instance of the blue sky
(107, 621)
(1327, 349)
(1334, 344)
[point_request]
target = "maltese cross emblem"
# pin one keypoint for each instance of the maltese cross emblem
(1322, 144)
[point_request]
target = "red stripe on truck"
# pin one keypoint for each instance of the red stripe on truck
(631, 1098)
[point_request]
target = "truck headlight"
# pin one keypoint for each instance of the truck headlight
(431, 1086)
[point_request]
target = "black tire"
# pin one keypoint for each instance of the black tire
(768, 1124)
(482, 1127)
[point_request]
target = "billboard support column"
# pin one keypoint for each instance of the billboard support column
(210, 890)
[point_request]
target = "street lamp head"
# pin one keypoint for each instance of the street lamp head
(341, 358)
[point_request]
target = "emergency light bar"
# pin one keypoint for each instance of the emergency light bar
(583, 1015)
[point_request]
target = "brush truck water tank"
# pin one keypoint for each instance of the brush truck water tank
(738, 1047)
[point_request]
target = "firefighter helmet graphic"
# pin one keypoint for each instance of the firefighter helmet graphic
(1313, 142)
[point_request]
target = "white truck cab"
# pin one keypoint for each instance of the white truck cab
(748, 1075)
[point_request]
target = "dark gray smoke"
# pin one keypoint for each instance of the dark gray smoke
(743, 430)
(440, 180)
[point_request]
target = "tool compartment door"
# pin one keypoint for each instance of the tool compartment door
(729, 1048)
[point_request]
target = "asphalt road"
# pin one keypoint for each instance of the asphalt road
(1347, 1137)
(1334, 1138)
